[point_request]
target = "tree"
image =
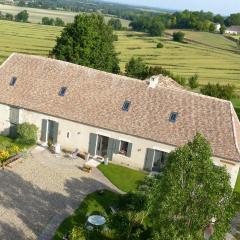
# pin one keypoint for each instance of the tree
(115, 23)
(88, 41)
(193, 81)
(190, 192)
(59, 22)
(226, 92)
(47, 21)
(178, 36)
(160, 45)
(156, 27)
(22, 16)
(9, 16)
(233, 19)
(212, 27)
(136, 68)
(222, 29)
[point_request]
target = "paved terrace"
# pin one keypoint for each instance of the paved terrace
(37, 193)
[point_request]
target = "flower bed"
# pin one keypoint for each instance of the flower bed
(9, 151)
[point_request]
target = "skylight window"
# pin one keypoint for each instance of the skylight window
(62, 91)
(173, 117)
(126, 106)
(13, 81)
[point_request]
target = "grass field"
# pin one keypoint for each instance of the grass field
(36, 15)
(26, 38)
(213, 57)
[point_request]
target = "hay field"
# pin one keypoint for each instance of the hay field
(36, 15)
(213, 57)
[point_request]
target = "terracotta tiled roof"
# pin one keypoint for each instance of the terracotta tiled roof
(96, 98)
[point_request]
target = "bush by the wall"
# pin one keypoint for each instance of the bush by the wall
(27, 133)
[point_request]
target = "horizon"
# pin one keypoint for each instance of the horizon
(215, 6)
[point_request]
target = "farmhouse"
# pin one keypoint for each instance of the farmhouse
(132, 122)
(234, 30)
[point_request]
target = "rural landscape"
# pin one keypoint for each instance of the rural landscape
(119, 121)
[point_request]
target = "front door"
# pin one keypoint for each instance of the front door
(102, 145)
(49, 131)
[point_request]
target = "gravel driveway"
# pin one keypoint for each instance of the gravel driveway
(37, 193)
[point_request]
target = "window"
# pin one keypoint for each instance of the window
(126, 106)
(62, 91)
(123, 148)
(173, 117)
(13, 81)
(68, 134)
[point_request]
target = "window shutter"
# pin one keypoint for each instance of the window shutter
(129, 150)
(14, 115)
(110, 149)
(44, 131)
(117, 146)
(149, 159)
(92, 144)
(55, 132)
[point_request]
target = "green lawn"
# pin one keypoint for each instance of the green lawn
(125, 179)
(92, 204)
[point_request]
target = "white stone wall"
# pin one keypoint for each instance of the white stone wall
(79, 138)
(232, 168)
(4, 119)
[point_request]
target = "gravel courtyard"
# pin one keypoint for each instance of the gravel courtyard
(37, 193)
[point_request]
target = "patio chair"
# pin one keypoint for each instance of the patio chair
(74, 154)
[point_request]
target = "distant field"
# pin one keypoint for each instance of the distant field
(211, 56)
(36, 15)
(26, 38)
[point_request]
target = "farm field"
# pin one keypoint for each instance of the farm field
(26, 38)
(36, 15)
(213, 57)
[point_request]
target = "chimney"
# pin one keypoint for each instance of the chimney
(153, 82)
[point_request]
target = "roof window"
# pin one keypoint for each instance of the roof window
(13, 81)
(126, 106)
(173, 117)
(62, 91)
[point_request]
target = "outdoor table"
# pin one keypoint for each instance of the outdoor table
(96, 220)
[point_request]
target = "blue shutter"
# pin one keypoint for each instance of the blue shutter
(149, 159)
(129, 150)
(55, 132)
(117, 146)
(43, 137)
(110, 150)
(92, 144)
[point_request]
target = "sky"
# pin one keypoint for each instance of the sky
(224, 7)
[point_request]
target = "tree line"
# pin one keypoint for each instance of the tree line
(197, 20)
(20, 17)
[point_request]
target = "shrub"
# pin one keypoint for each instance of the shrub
(13, 150)
(193, 81)
(27, 133)
(226, 92)
(178, 36)
(159, 45)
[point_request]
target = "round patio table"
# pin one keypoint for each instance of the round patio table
(96, 220)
